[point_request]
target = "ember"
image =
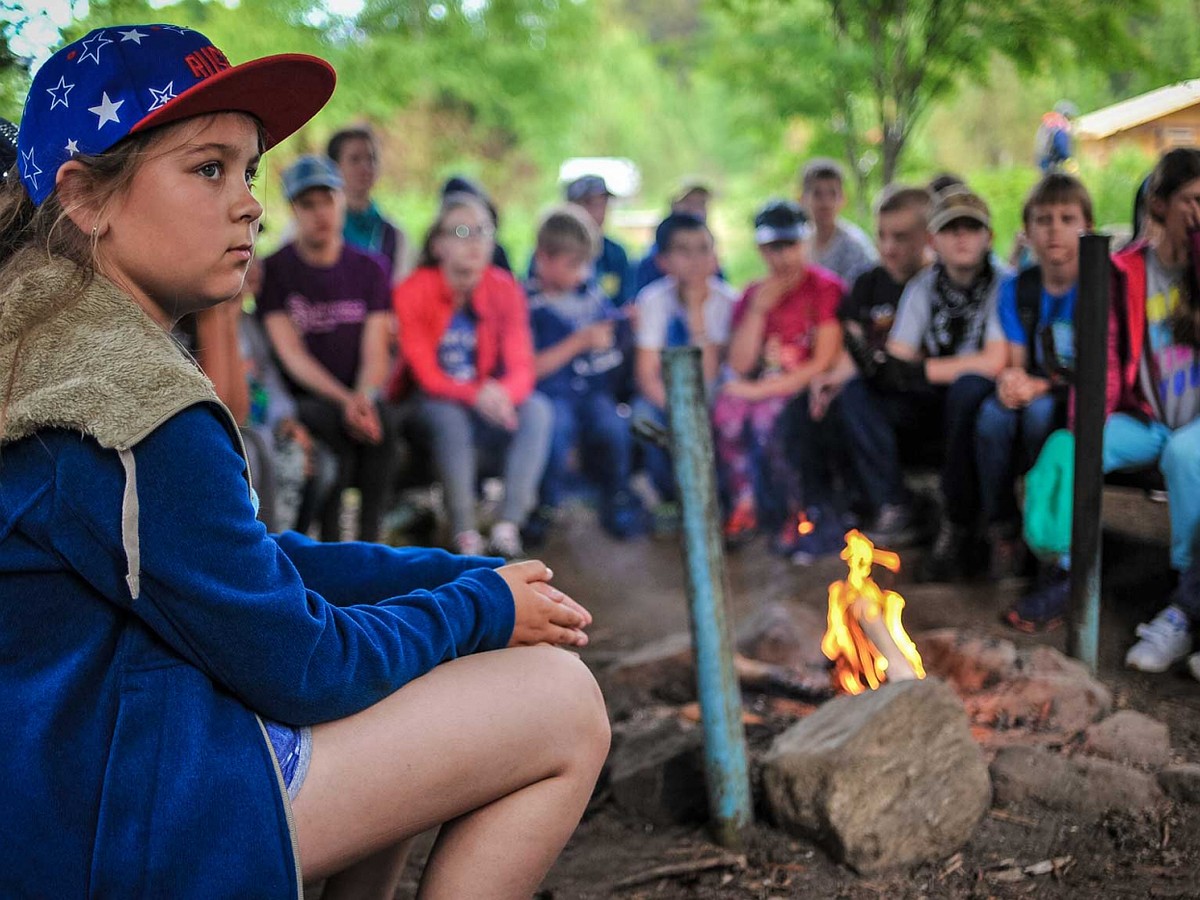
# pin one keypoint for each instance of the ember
(864, 638)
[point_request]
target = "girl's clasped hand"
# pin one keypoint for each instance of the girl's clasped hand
(543, 614)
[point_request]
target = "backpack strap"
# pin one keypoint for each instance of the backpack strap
(1029, 312)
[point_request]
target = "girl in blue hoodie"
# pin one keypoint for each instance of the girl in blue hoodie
(192, 707)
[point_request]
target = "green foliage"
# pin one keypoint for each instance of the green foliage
(737, 91)
(874, 68)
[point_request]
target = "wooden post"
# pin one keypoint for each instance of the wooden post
(1091, 364)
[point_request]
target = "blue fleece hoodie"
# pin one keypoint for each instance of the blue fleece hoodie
(133, 669)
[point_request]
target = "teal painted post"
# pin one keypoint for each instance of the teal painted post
(704, 564)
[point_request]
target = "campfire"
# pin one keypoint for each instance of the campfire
(865, 639)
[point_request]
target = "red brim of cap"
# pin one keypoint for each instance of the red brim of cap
(282, 92)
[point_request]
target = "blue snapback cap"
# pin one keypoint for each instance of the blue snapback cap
(118, 81)
(587, 186)
(309, 172)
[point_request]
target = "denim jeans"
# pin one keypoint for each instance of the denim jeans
(1187, 594)
(1131, 443)
(655, 459)
(871, 421)
(461, 437)
(589, 421)
(1007, 442)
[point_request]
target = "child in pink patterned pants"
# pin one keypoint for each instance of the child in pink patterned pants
(785, 331)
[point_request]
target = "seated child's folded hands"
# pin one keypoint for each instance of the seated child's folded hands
(543, 614)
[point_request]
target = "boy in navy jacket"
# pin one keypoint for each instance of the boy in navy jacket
(578, 360)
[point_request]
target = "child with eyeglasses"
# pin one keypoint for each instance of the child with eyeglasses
(465, 336)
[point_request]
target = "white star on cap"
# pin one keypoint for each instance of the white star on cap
(107, 111)
(132, 35)
(174, 28)
(162, 97)
(94, 52)
(31, 169)
(72, 147)
(57, 98)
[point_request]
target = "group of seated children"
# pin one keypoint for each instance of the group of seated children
(828, 376)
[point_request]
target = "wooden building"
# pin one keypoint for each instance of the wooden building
(1152, 123)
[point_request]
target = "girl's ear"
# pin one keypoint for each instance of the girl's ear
(72, 183)
(1157, 208)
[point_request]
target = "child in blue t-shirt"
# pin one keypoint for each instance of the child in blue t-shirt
(578, 361)
(1037, 308)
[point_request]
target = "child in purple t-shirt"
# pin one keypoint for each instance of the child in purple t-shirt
(326, 309)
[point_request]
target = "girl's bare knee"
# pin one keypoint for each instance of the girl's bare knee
(578, 699)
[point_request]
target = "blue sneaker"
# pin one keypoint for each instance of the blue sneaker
(1045, 607)
(537, 527)
(623, 516)
(826, 538)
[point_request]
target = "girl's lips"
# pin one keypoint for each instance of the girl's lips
(242, 253)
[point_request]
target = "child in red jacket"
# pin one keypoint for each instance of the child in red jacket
(464, 334)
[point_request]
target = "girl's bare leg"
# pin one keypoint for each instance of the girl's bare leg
(503, 746)
(376, 876)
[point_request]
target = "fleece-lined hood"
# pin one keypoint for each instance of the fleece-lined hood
(87, 359)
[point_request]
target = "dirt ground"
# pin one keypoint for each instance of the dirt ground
(636, 593)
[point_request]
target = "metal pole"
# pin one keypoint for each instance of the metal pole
(1091, 362)
(704, 564)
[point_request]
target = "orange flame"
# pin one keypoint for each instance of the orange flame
(864, 623)
(804, 525)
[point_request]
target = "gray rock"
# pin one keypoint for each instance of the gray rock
(1045, 660)
(887, 778)
(657, 772)
(1181, 782)
(1081, 784)
(969, 662)
(1129, 736)
(659, 671)
(1059, 702)
(784, 635)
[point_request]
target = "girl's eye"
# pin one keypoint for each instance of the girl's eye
(210, 170)
(251, 176)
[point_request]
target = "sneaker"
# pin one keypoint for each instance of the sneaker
(537, 529)
(787, 539)
(826, 538)
(623, 516)
(1164, 641)
(1194, 665)
(469, 543)
(893, 526)
(1043, 608)
(945, 559)
(505, 540)
(742, 523)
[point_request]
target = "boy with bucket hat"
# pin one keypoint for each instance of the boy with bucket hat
(944, 350)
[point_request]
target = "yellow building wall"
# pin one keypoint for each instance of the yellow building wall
(1179, 129)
